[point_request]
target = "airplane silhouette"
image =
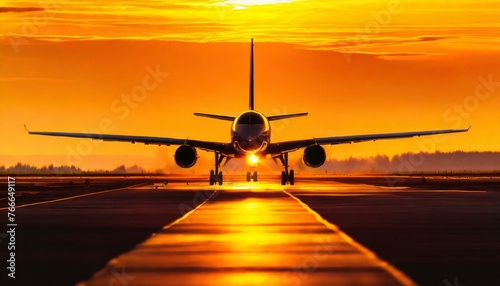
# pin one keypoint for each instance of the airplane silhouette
(250, 137)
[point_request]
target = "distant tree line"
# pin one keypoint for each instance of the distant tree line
(21, 168)
(407, 163)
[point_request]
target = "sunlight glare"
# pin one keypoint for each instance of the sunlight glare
(243, 4)
(253, 159)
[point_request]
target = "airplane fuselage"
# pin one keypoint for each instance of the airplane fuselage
(250, 133)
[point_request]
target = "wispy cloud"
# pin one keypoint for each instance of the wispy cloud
(314, 24)
(20, 9)
(32, 79)
(390, 41)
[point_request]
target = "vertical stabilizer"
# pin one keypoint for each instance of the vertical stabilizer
(251, 102)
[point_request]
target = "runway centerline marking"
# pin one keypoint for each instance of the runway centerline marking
(72, 197)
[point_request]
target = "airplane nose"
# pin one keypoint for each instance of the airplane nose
(249, 146)
(250, 138)
(252, 142)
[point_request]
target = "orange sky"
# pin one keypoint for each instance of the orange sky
(356, 66)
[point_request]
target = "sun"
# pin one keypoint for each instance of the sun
(243, 4)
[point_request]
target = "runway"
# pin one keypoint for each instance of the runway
(323, 231)
(245, 237)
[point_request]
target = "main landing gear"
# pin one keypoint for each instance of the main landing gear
(286, 176)
(216, 176)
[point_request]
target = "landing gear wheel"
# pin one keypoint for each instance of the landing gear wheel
(254, 176)
(216, 176)
(212, 177)
(219, 178)
(248, 177)
(291, 177)
(285, 175)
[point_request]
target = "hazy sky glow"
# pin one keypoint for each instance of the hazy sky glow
(143, 67)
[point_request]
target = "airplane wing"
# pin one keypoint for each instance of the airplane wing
(225, 148)
(280, 147)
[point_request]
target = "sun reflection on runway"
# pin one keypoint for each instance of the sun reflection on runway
(250, 236)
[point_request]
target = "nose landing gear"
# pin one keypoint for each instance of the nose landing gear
(252, 174)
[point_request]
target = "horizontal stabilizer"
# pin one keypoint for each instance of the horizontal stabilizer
(215, 116)
(285, 116)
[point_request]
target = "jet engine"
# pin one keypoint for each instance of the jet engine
(314, 156)
(185, 156)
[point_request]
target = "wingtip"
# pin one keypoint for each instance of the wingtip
(26, 128)
(469, 127)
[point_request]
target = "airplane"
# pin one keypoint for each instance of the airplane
(250, 138)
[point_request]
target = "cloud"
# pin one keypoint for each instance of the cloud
(20, 9)
(32, 79)
(403, 55)
(378, 41)
(315, 25)
(430, 38)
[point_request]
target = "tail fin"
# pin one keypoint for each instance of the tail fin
(251, 102)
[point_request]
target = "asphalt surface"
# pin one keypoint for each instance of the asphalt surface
(243, 236)
(444, 231)
(438, 232)
(63, 242)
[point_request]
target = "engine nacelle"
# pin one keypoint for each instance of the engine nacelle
(185, 156)
(314, 156)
